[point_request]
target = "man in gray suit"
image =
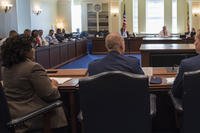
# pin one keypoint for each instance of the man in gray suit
(115, 60)
(27, 86)
(186, 65)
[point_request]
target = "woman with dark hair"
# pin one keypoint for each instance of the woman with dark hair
(12, 34)
(35, 39)
(27, 86)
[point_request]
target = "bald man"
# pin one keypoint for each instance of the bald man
(115, 60)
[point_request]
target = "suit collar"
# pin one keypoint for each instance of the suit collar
(114, 53)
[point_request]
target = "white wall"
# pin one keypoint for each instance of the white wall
(64, 14)
(8, 21)
(114, 21)
(2, 23)
(47, 19)
(182, 16)
(168, 14)
(23, 15)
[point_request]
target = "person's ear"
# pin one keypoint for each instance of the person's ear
(122, 47)
(31, 54)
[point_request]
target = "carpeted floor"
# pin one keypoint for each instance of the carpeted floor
(85, 60)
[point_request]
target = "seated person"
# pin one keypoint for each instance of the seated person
(84, 34)
(164, 32)
(41, 38)
(43, 42)
(50, 38)
(106, 32)
(27, 33)
(35, 39)
(102, 33)
(69, 36)
(193, 32)
(64, 33)
(78, 32)
(59, 35)
(99, 34)
(124, 32)
(115, 60)
(27, 86)
(189, 64)
(12, 34)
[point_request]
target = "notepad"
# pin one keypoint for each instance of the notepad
(170, 80)
(61, 80)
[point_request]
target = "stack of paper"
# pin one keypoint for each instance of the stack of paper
(61, 80)
(170, 80)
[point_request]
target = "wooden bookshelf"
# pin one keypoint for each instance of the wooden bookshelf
(97, 21)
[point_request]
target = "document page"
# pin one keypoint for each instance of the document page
(170, 80)
(61, 80)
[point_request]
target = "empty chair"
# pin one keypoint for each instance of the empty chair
(115, 102)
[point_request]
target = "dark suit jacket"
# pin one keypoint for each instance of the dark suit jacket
(115, 62)
(186, 65)
(128, 35)
(59, 37)
(192, 34)
(4, 111)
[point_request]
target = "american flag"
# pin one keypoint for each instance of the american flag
(188, 18)
(124, 17)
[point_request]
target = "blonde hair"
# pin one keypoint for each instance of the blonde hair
(114, 41)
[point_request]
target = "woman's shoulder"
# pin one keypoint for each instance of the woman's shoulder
(30, 65)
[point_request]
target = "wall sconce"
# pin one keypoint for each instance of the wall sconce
(60, 25)
(114, 11)
(37, 11)
(5, 6)
(195, 12)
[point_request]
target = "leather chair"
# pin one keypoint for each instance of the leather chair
(116, 102)
(8, 125)
(188, 109)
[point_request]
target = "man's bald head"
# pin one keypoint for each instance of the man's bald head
(114, 42)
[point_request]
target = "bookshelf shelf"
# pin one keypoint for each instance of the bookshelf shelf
(97, 21)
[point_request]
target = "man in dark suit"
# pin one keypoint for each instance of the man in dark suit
(59, 36)
(115, 60)
(186, 65)
(124, 32)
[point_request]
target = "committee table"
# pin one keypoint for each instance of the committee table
(166, 40)
(132, 45)
(163, 55)
(70, 88)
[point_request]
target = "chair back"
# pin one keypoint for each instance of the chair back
(191, 105)
(4, 112)
(115, 102)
